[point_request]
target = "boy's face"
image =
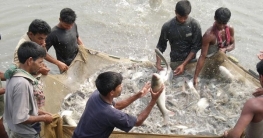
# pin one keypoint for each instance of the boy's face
(181, 19)
(66, 26)
(220, 25)
(38, 38)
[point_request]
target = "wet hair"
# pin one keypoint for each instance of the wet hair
(30, 49)
(183, 8)
(68, 16)
(260, 67)
(38, 26)
(108, 81)
(222, 15)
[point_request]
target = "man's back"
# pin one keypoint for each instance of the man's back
(255, 127)
(100, 118)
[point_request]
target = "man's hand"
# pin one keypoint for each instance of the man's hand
(47, 118)
(155, 95)
(2, 91)
(258, 92)
(223, 50)
(44, 70)
(195, 81)
(41, 112)
(62, 66)
(179, 70)
(260, 55)
(145, 89)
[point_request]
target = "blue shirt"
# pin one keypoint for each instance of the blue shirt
(100, 118)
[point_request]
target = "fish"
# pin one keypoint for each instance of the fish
(226, 73)
(157, 81)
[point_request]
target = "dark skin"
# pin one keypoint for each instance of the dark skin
(251, 112)
(209, 38)
(124, 103)
(180, 69)
(62, 66)
(2, 77)
(40, 39)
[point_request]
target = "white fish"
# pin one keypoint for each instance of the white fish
(226, 73)
(157, 82)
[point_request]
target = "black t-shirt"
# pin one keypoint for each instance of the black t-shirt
(183, 38)
(64, 42)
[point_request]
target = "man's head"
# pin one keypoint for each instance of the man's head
(31, 56)
(222, 15)
(109, 82)
(260, 71)
(67, 18)
(38, 31)
(182, 10)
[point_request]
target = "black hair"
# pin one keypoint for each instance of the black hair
(108, 81)
(260, 67)
(68, 16)
(222, 15)
(30, 49)
(40, 27)
(183, 7)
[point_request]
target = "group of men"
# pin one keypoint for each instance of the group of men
(24, 97)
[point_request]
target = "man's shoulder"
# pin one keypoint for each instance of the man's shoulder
(193, 21)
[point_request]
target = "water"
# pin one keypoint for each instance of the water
(217, 109)
(129, 28)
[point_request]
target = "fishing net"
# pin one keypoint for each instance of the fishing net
(88, 62)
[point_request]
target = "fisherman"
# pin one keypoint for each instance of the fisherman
(21, 113)
(37, 32)
(65, 38)
(102, 114)
(220, 36)
(184, 35)
(251, 118)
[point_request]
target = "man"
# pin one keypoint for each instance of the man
(220, 36)
(37, 32)
(102, 114)
(184, 35)
(21, 113)
(65, 38)
(2, 92)
(251, 117)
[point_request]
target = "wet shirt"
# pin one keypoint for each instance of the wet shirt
(64, 43)
(183, 38)
(100, 118)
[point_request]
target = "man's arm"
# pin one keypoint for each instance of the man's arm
(79, 41)
(62, 66)
(2, 77)
(232, 40)
(144, 114)
(162, 45)
(41, 118)
(245, 118)
(200, 63)
(124, 103)
(231, 46)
